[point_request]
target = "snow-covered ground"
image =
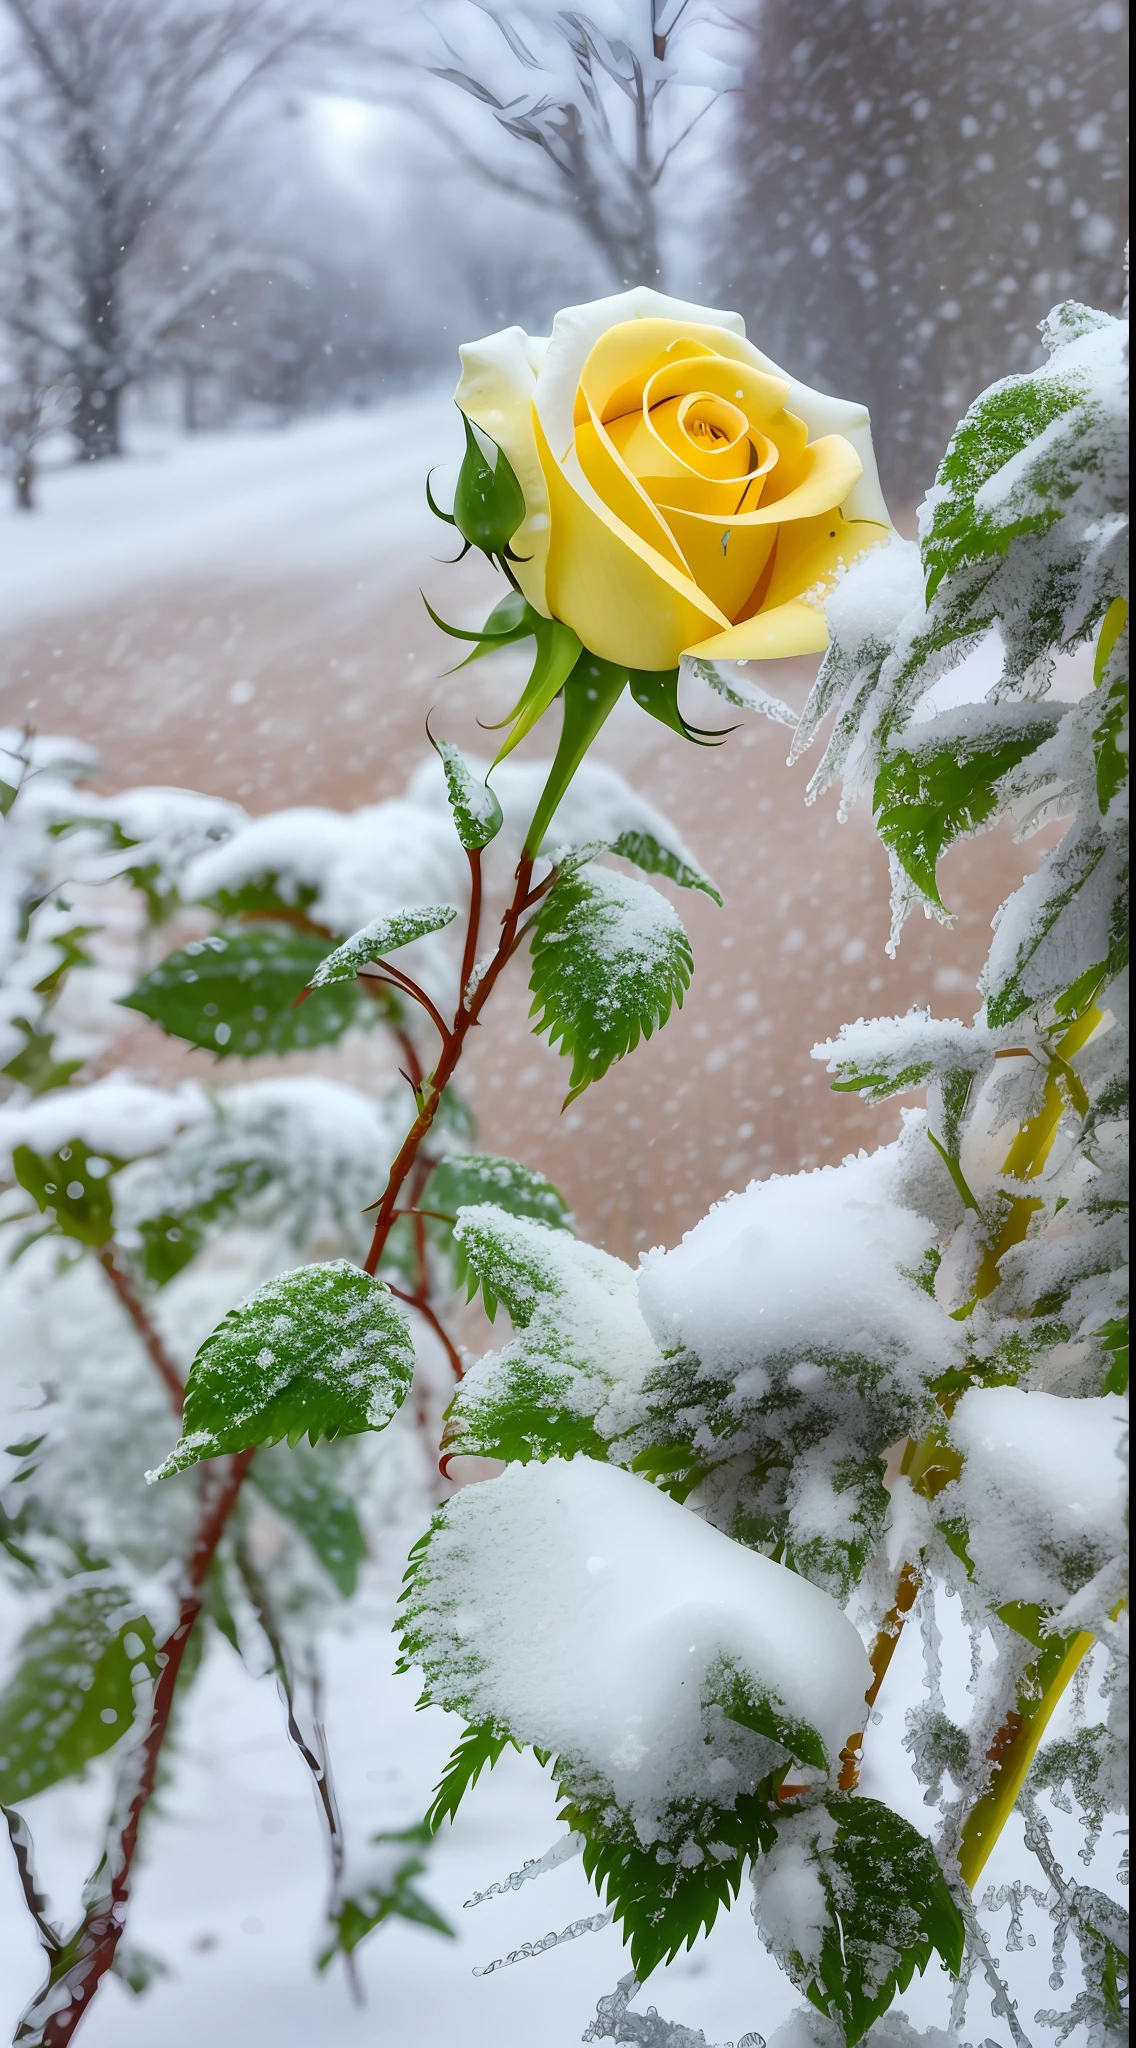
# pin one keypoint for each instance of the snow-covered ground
(331, 491)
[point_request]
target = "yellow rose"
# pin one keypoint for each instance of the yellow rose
(682, 494)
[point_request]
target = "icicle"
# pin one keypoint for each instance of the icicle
(560, 1852)
(528, 1949)
(613, 2022)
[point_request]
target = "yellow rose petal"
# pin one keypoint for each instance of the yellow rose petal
(793, 628)
(830, 468)
(626, 602)
(813, 551)
(725, 559)
(619, 489)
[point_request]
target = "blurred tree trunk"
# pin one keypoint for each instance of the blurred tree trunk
(923, 179)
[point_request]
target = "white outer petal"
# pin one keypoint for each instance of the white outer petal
(496, 391)
(575, 332)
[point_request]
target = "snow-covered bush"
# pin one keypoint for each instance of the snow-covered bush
(134, 1216)
(899, 1374)
(729, 1476)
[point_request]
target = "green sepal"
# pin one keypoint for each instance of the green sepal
(656, 692)
(591, 693)
(557, 652)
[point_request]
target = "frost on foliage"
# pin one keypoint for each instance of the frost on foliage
(321, 1352)
(614, 2021)
(579, 1609)
(1042, 1490)
(599, 809)
(609, 961)
(303, 1156)
(798, 1341)
(567, 1379)
(382, 935)
(852, 1902)
(117, 1116)
(809, 2029)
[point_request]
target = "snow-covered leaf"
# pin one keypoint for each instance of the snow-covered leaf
(851, 1901)
(580, 1347)
(573, 1607)
(321, 1352)
(1066, 929)
(168, 1241)
(477, 813)
(236, 995)
(382, 935)
(655, 858)
(80, 1675)
(940, 782)
(610, 959)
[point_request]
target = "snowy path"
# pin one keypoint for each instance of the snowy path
(342, 493)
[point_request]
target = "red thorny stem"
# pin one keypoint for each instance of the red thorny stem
(139, 1315)
(93, 1947)
(471, 1002)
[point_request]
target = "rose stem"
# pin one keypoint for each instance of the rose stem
(471, 1002)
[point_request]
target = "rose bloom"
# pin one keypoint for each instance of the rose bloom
(682, 494)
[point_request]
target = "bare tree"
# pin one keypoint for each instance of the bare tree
(607, 106)
(111, 110)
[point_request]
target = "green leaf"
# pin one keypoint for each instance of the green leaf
(382, 935)
(610, 959)
(73, 1693)
(741, 1700)
(489, 503)
(646, 852)
(477, 1750)
(1068, 928)
(298, 1482)
(664, 1899)
(463, 1179)
(35, 1066)
(169, 1241)
(935, 789)
(67, 1186)
(8, 795)
(576, 1330)
(321, 1352)
(888, 1904)
(592, 690)
(999, 425)
(477, 813)
(236, 995)
(387, 1893)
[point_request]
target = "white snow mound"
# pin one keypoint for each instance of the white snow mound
(588, 1613)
